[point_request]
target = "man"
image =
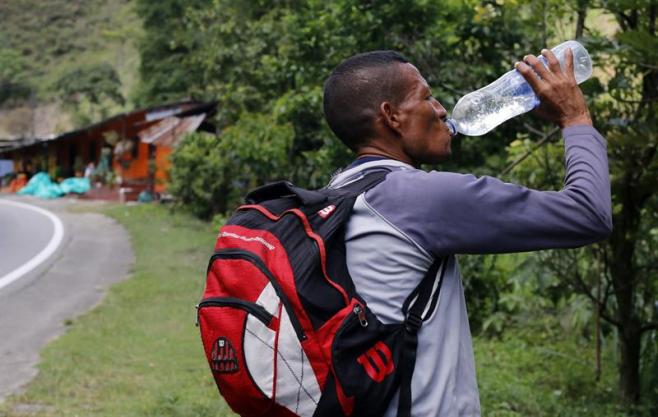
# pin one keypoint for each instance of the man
(381, 107)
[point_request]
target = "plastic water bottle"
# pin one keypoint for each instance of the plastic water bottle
(480, 111)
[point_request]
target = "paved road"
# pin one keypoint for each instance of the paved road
(23, 234)
(94, 253)
(29, 235)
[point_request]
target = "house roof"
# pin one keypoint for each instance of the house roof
(127, 125)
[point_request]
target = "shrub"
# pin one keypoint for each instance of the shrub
(211, 174)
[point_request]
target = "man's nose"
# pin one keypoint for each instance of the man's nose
(439, 108)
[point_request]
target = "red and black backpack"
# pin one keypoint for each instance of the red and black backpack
(282, 326)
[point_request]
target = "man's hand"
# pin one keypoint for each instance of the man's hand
(562, 102)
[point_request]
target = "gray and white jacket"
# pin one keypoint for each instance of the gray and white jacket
(401, 225)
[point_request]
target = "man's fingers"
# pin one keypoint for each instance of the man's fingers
(538, 66)
(553, 63)
(529, 75)
(568, 64)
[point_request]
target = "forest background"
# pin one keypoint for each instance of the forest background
(580, 324)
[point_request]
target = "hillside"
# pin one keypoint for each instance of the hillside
(52, 39)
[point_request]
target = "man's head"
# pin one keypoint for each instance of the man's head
(377, 102)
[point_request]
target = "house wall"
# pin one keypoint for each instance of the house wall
(58, 158)
(163, 165)
(137, 168)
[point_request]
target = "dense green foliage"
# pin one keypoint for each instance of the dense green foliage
(45, 46)
(13, 85)
(58, 36)
(270, 60)
(619, 275)
(164, 78)
(98, 86)
(202, 157)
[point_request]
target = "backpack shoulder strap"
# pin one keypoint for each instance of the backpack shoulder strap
(280, 189)
(424, 299)
(368, 179)
(284, 189)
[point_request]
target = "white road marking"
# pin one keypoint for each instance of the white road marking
(56, 239)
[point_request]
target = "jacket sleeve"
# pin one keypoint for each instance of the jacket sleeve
(448, 213)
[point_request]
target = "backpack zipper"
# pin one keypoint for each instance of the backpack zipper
(361, 315)
(258, 263)
(254, 309)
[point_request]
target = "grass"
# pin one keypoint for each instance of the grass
(529, 374)
(139, 353)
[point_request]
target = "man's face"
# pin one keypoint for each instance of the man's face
(424, 134)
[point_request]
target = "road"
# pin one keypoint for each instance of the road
(29, 235)
(24, 233)
(57, 280)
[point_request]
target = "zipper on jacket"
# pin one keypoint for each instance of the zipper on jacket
(258, 263)
(254, 309)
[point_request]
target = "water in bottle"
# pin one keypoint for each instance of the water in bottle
(480, 111)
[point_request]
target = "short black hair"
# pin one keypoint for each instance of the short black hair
(354, 91)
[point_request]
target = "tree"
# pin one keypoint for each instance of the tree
(631, 113)
(13, 85)
(96, 86)
(165, 77)
(619, 276)
(94, 83)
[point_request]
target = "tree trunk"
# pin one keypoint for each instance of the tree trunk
(629, 326)
(629, 366)
(629, 331)
(582, 14)
(624, 281)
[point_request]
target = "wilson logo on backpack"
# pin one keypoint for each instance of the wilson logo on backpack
(327, 211)
(283, 328)
(377, 362)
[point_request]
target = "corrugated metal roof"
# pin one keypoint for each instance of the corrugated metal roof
(168, 131)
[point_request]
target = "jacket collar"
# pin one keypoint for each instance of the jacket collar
(354, 173)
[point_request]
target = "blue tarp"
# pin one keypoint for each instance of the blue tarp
(41, 186)
(75, 185)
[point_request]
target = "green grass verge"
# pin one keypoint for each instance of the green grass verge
(138, 353)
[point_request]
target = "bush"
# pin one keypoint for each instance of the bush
(211, 175)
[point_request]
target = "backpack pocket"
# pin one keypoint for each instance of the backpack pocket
(247, 316)
(245, 263)
(239, 340)
(366, 355)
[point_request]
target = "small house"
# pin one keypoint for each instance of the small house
(130, 151)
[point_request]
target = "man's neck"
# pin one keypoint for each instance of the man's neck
(374, 150)
(363, 159)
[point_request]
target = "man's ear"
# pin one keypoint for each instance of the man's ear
(389, 115)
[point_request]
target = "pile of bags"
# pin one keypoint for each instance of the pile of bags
(40, 185)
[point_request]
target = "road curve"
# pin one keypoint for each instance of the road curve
(95, 252)
(29, 235)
